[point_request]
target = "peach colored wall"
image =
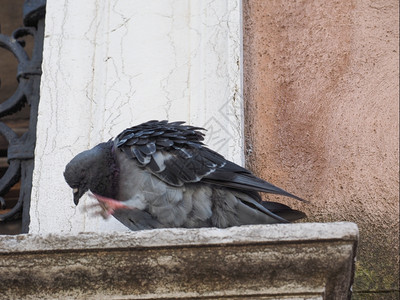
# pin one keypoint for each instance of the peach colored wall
(321, 89)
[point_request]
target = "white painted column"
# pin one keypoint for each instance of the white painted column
(109, 65)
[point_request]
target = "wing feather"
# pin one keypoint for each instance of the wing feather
(236, 177)
(171, 151)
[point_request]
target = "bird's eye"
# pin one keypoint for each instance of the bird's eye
(75, 190)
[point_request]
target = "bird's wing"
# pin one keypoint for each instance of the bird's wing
(175, 154)
(233, 176)
(171, 151)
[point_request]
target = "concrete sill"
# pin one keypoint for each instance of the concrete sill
(286, 261)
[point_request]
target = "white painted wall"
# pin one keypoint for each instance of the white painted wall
(109, 65)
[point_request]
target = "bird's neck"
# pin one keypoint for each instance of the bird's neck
(114, 173)
(108, 185)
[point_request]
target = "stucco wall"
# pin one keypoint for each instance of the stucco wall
(321, 117)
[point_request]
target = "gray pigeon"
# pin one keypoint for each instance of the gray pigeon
(160, 174)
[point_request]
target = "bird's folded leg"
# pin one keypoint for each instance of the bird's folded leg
(108, 205)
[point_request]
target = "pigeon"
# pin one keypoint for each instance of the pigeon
(159, 174)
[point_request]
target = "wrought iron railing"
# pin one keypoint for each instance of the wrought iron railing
(20, 152)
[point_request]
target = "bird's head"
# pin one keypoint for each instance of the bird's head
(77, 174)
(82, 172)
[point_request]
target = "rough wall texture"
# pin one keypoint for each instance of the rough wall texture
(321, 91)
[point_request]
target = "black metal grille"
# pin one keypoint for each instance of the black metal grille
(20, 152)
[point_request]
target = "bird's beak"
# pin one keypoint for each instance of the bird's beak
(77, 195)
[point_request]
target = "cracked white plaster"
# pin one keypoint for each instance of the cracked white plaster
(109, 65)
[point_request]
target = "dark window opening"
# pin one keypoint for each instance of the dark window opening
(21, 44)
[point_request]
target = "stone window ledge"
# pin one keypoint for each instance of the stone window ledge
(285, 261)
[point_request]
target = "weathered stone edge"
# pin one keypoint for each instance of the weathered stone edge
(251, 234)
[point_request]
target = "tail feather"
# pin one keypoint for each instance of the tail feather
(284, 211)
